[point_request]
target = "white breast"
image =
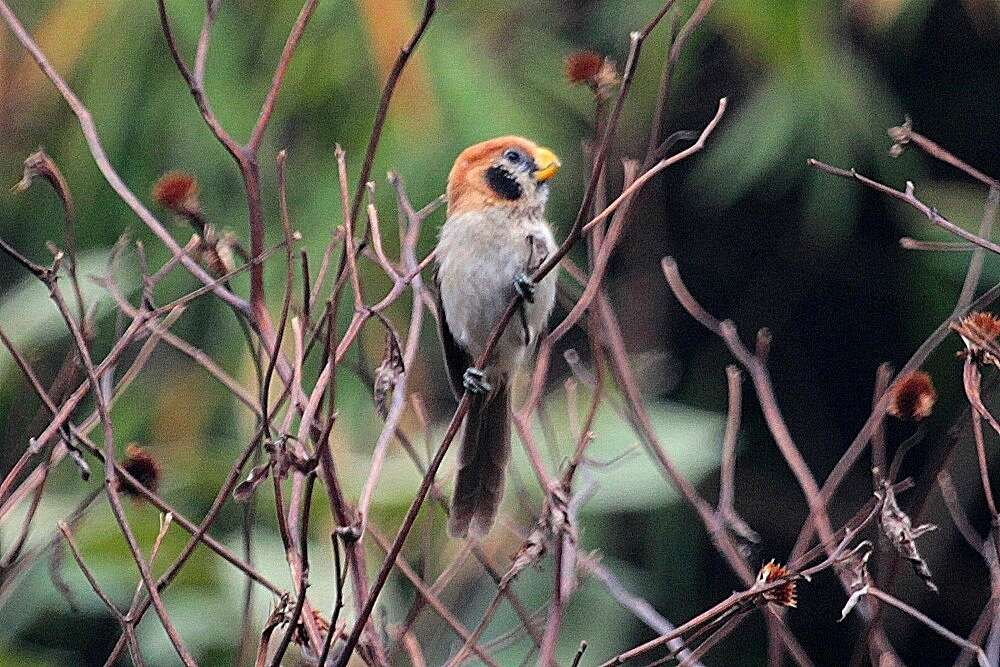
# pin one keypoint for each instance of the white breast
(479, 255)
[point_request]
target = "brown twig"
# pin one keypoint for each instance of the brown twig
(930, 623)
(463, 406)
(907, 196)
(382, 112)
(111, 477)
(755, 594)
(765, 393)
(904, 134)
(432, 599)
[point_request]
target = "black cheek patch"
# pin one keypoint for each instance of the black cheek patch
(503, 183)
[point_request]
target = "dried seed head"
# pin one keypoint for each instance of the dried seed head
(39, 164)
(582, 67)
(785, 594)
(141, 465)
(594, 70)
(213, 251)
(227, 254)
(979, 332)
(913, 397)
(177, 191)
(607, 78)
(985, 323)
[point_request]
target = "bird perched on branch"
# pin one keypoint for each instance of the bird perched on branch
(494, 239)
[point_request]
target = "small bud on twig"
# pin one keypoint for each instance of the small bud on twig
(900, 137)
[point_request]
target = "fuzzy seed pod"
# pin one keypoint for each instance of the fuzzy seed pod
(177, 191)
(141, 465)
(913, 397)
(593, 70)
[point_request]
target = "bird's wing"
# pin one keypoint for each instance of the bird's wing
(455, 357)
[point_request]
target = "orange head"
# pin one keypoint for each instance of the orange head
(504, 172)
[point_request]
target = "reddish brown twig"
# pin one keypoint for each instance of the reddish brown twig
(765, 393)
(929, 622)
(463, 406)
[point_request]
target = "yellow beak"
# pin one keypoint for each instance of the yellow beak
(547, 164)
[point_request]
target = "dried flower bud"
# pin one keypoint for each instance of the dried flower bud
(784, 594)
(855, 565)
(593, 70)
(913, 397)
(607, 78)
(39, 164)
(177, 191)
(213, 251)
(979, 332)
(141, 465)
(583, 66)
(225, 249)
(244, 490)
(529, 554)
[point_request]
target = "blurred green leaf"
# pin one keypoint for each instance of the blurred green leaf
(631, 481)
(32, 321)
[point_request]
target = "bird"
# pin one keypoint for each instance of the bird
(494, 238)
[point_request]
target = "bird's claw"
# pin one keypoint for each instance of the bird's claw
(525, 287)
(475, 382)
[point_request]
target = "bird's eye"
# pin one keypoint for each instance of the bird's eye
(512, 156)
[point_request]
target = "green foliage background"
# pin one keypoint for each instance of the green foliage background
(760, 238)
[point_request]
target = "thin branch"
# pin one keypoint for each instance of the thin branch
(381, 113)
(930, 623)
(908, 197)
(765, 393)
(92, 580)
(904, 134)
(291, 44)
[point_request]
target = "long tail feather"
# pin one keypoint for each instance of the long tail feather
(482, 461)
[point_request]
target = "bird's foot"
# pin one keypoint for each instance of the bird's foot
(525, 287)
(475, 381)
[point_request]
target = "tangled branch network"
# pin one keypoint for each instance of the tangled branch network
(296, 410)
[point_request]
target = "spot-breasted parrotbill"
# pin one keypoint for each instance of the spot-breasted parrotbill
(495, 237)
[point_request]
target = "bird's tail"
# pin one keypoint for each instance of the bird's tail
(482, 461)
